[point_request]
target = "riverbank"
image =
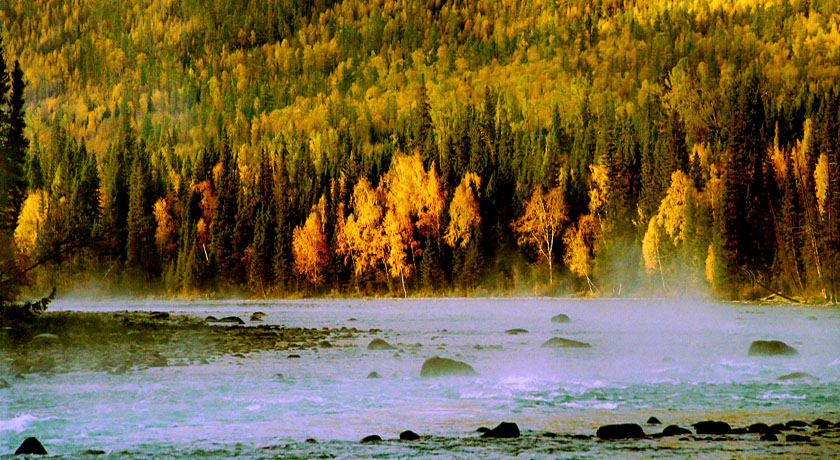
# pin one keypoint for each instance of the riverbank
(119, 342)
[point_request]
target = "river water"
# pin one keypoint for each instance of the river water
(679, 360)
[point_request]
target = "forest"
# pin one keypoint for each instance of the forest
(273, 148)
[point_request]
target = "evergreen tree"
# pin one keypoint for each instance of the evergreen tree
(223, 227)
(261, 273)
(13, 149)
(83, 208)
(140, 226)
(116, 171)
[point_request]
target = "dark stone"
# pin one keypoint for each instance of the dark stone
(280, 377)
(795, 424)
(768, 437)
(821, 423)
(439, 367)
(712, 427)
(503, 430)
(516, 331)
(44, 338)
(293, 356)
(797, 438)
(211, 319)
(311, 441)
(325, 344)
(758, 428)
(232, 320)
(93, 452)
(738, 431)
(409, 435)
(674, 430)
(776, 428)
(257, 316)
(561, 318)
(557, 342)
(580, 436)
(549, 435)
(795, 376)
(771, 348)
(482, 429)
(31, 446)
(621, 431)
(371, 438)
(379, 344)
(159, 315)
(374, 375)
(654, 421)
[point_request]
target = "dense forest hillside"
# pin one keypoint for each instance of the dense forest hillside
(286, 147)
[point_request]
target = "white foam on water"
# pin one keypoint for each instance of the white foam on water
(17, 424)
(771, 395)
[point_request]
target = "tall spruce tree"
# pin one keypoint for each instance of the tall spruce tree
(223, 227)
(141, 253)
(260, 272)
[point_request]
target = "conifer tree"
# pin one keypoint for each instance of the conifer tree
(140, 226)
(223, 227)
(13, 149)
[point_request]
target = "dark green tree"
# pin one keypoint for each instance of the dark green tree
(227, 259)
(141, 253)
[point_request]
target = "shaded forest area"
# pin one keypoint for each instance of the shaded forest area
(290, 147)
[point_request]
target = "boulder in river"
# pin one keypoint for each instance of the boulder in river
(409, 435)
(516, 331)
(46, 337)
(797, 438)
(31, 446)
(371, 438)
(561, 318)
(232, 320)
(712, 427)
(771, 348)
(558, 342)
(503, 430)
(653, 421)
(379, 344)
(796, 424)
(620, 431)
(257, 316)
(768, 437)
(796, 376)
(439, 367)
(374, 375)
(674, 430)
(758, 428)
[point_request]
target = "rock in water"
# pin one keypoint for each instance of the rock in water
(768, 437)
(409, 435)
(379, 344)
(374, 375)
(371, 438)
(31, 446)
(795, 376)
(439, 367)
(503, 430)
(516, 331)
(557, 342)
(797, 438)
(758, 428)
(654, 421)
(771, 348)
(674, 430)
(620, 431)
(232, 319)
(257, 316)
(561, 318)
(712, 427)
(46, 337)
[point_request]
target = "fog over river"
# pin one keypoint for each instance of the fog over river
(679, 360)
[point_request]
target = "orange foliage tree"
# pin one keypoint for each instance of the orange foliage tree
(309, 248)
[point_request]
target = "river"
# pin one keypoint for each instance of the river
(680, 360)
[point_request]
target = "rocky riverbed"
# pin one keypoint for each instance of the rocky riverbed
(119, 342)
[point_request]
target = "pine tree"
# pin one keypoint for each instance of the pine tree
(116, 172)
(223, 228)
(83, 209)
(261, 273)
(14, 146)
(141, 254)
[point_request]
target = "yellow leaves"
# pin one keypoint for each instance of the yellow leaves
(579, 240)
(669, 220)
(309, 248)
(165, 228)
(821, 182)
(599, 188)
(32, 216)
(361, 237)
(463, 211)
(542, 222)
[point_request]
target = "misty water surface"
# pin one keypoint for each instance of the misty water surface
(681, 360)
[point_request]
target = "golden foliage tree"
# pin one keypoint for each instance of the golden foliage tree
(361, 237)
(542, 222)
(309, 248)
(579, 240)
(31, 218)
(666, 229)
(463, 211)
